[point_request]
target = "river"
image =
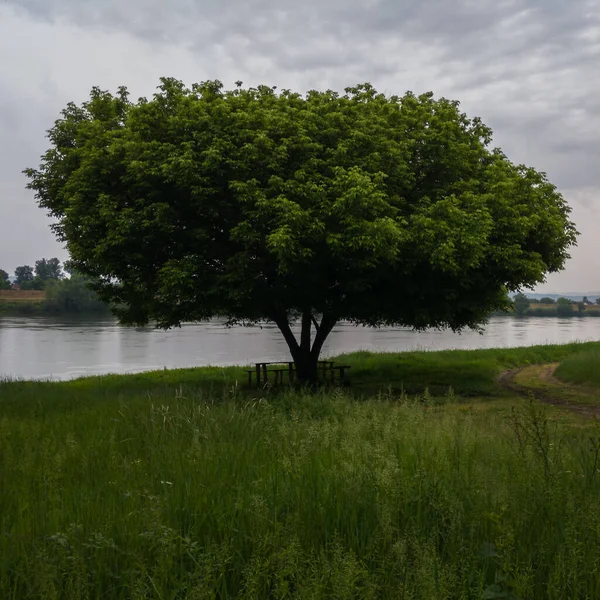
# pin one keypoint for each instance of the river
(48, 348)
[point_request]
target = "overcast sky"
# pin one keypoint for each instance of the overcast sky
(529, 68)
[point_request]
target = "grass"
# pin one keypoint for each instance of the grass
(471, 373)
(582, 367)
(21, 307)
(181, 484)
(539, 381)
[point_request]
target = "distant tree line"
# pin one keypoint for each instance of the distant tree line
(66, 290)
(34, 278)
(562, 307)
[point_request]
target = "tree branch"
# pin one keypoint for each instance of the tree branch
(305, 333)
(327, 324)
(315, 323)
(282, 322)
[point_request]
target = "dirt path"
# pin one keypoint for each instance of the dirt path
(539, 382)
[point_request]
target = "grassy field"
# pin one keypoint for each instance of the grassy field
(22, 296)
(424, 480)
(19, 302)
(581, 367)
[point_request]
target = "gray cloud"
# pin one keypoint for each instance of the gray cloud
(527, 67)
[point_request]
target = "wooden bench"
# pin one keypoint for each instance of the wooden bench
(279, 373)
(341, 371)
(262, 370)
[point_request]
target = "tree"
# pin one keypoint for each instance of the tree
(24, 274)
(564, 307)
(48, 269)
(597, 300)
(521, 303)
(547, 300)
(268, 206)
(69, 267)
(4, 281)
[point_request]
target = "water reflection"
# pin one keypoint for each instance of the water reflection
(62, 349)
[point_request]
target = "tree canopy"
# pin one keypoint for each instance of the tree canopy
(23, 274)
(521, 303)
(4, 281)
(264, 205)
(48, 269)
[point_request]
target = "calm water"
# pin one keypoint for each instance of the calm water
(63, 349)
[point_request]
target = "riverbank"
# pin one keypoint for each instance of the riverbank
(536, 309)
(426, 479)
(39, 306)
(65, 297)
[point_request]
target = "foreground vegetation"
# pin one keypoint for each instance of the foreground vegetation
(581, 367)
(183, 484)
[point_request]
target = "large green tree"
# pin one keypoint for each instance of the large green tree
(48, 269)
(264, 205)
(23, 274)
(4, 280)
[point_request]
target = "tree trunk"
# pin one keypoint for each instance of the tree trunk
(305, 355)
(306, 368)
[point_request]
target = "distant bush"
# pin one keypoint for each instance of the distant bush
(72, 296)
(547, 300)
(521, 303)
(21, 308)
(564, 307)
(35, 284)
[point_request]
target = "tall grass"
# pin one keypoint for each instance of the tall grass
(176, 493)
(468, 372)
(582, 367)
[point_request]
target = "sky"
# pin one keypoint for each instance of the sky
(528, 68)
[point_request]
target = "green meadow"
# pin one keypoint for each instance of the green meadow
(581, 367)
(424, 479)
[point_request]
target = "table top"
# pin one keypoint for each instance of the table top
(289, 362)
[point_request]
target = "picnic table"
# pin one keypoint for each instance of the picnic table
(280, 368)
